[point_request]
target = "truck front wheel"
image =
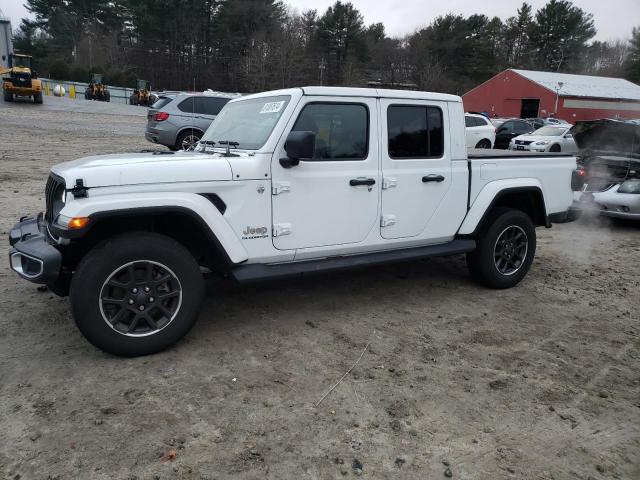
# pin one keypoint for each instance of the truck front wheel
(136, 294)
(506, 245)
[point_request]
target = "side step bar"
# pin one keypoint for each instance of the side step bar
(253, 273)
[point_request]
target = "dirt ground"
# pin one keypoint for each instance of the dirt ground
(538, 382)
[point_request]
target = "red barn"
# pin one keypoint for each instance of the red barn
(528, 94)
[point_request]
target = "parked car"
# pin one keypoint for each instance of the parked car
(480, 133)
(550, 138)
(511, 129)
(179, 122)
(283, 183)
(620, 201)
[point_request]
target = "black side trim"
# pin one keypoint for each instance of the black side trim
(502, 193)
(217, 201)
(257, 272)
(137, 212)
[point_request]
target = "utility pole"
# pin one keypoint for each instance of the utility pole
(321, 67)
(558, 87)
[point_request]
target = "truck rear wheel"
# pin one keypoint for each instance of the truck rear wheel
(37, 98)
(136, 294)
(506, 245)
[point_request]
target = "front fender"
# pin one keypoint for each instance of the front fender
(487, 196)
(198, 205)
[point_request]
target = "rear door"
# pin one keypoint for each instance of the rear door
(416, 165)
(331, 199)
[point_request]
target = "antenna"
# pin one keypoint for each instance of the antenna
(193, 114)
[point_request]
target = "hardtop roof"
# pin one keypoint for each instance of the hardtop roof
(360, 92)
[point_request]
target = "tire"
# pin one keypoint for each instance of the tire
(555, 148)
(182, 139)
(107, 302)
(8, 96)
(37, 98)
(484, 143)
(505, 225)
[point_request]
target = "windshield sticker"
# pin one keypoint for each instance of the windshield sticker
(272, 107)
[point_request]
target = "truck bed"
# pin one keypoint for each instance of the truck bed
(551, 171)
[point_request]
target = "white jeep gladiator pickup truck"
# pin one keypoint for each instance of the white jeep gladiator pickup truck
(283, 183)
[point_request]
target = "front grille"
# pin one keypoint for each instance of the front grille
(523, 142)
(53, 196)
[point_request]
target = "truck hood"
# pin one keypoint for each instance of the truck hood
(610, 136)
(141, 168)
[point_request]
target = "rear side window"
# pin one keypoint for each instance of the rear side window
(468, 122)
(161, 102)
(415, 131)
(341, 129)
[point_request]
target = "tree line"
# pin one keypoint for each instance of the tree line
(256, 45)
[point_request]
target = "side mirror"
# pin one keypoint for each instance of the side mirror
(568, 135)
(299, 146)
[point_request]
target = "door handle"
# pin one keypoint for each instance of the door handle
(432, 178)
(354, 182)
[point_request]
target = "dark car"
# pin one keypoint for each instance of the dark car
(511, 129)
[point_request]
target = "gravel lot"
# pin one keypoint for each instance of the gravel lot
(538, 382)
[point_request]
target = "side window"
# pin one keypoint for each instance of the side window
(507, 127)
(213, 105)
(341, 129)
(468, 122)
(415, 131)
(482, 122)
(522, 127)
(187, 105)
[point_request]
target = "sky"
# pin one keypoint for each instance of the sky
(614, 19)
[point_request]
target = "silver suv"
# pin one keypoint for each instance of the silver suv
(179, 121)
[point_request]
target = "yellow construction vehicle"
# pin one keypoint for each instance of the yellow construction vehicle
(22, 79)
(96, 89)
(142, 94)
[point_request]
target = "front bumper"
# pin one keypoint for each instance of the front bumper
(32, 256)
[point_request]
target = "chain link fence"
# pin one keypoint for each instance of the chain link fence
(76, 90)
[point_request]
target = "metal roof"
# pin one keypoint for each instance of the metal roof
(584, 85)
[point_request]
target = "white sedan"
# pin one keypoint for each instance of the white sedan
(620, 201)
(550, 138)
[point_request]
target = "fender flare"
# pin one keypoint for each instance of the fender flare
(196, 206)
(489, 195)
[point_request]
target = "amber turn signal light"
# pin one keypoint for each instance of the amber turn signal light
(78, 222)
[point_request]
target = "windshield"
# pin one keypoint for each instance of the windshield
(248, 122)
(549, 131)
(630, 186)
(21, 61)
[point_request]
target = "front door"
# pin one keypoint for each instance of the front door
(331, 199)
(416, 166)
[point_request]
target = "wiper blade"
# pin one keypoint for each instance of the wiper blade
(229, 144)
(204, 144)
